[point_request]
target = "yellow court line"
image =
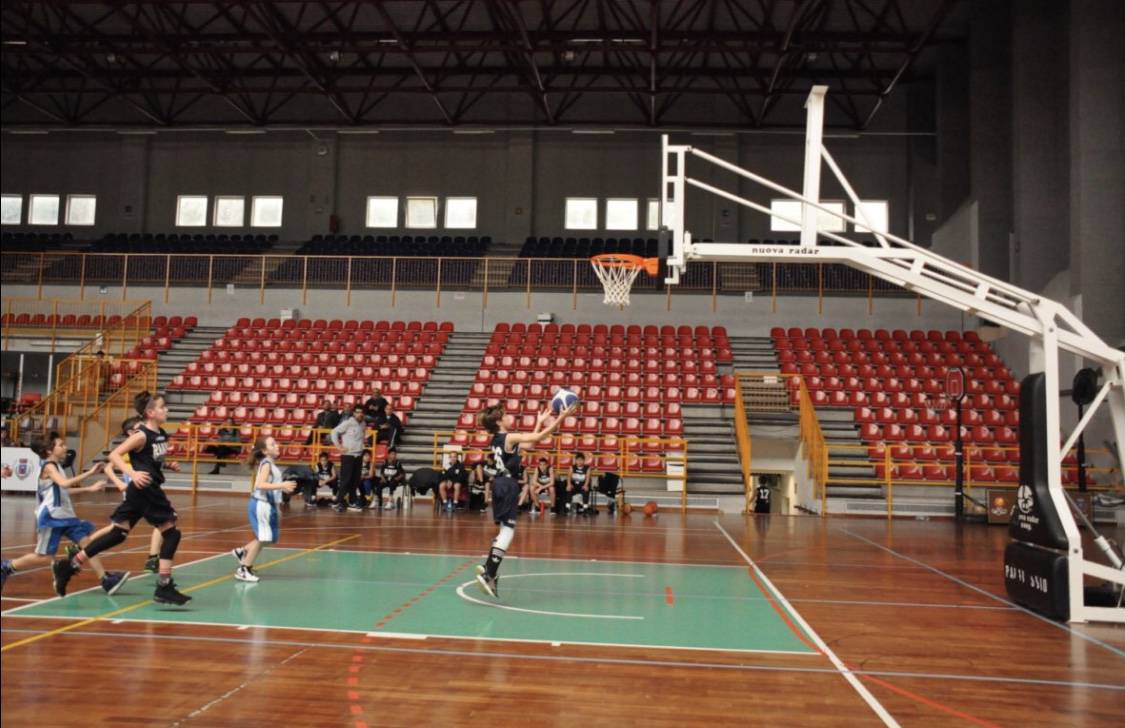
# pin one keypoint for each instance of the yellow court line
(146, 602)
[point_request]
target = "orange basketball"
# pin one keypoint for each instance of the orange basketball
(651, 508)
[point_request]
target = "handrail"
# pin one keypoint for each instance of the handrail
(742, 439)
(98, 429)
(816, 450)
(670, 450)
(439, 274)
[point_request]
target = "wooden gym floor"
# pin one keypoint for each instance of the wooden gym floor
(365, 619)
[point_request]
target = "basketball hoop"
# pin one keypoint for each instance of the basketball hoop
(617, 271)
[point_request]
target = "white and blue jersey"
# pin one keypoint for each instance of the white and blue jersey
(55, 516)
(262, 508)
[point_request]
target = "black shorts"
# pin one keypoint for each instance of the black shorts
(761, 506)
(505, 497)
(149, 503)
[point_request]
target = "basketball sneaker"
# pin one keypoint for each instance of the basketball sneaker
(6, 570)
(246, 573)
(489, 584)
(238, 554)
(169, 594)
(62, 571)
(113, 581)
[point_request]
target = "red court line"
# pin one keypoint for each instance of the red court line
(669, 597)
(781, 612)
(927, 701)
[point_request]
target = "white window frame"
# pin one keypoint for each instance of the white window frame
(792, 209)
(367, 216)
(621, 202)
(450, 202)
(652, 213)
(259, 199)
(410, 222)
(180, 200)
(219, 200)
(40, 198)
(68, 215)
(566, 213)
(19, 215)
(883, 217)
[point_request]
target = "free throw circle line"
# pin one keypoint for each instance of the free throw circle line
(461, 593)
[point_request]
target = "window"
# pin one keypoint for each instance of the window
(877, 213)
(81, 209)
(581, 213)
(460, 212)
(11, 209)
(792, 210)
(620, 214)
(265, 211)
(421, 212)
(382, 212)
(652, 217)
(230, 211)
(43, 210)
(191, 211)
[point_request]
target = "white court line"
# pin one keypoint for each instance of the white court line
(461, 593)
(13, 612)
(990, 595)
(843, 669)
(231, 692)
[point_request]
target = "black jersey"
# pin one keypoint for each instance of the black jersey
(150, 458)
(391, 470)
(325, 471)
(763, 494)
(543, 477)
(508, 464)
(578, 474)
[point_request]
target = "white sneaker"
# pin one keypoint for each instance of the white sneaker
(389, 506)
(246, 573)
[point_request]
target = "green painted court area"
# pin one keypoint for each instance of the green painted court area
(625, 604)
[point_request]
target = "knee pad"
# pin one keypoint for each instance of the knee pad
(115, 536)
(504, 538)
(171, 543)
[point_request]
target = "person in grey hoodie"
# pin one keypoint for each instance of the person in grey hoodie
(349, 438)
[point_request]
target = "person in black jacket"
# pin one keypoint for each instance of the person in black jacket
(326, 419)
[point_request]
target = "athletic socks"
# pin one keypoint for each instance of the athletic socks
(164, 578)
(79, 560)
(492, 565)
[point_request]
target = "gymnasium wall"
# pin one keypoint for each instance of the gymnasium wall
(521, 178)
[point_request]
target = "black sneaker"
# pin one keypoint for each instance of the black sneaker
(489, 584)
(152, 564)
(6, 570)
(168, 594)
(113, 581)
(62, 570)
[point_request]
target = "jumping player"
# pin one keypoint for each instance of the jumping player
(55, 516)
(144, 498)
(266, 494)
(505, 486)
(152, 563)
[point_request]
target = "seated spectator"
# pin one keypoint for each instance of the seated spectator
(543, 487)
(326, 420)
(367, 479)
(390, 427)
(325, 478)
(375, 409)
(228, 433)
(455, 479)
(391, 476)
(480, 493)
(609, 484)
(578, 483)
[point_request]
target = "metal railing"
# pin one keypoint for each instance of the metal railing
(669, 453)
(743, 441)
(98, 429)
(55, 319)
(443, 275)
(813, 446)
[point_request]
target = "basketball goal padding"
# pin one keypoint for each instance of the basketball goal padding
(1035, 562)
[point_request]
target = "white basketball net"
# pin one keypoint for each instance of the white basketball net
(617, 279)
